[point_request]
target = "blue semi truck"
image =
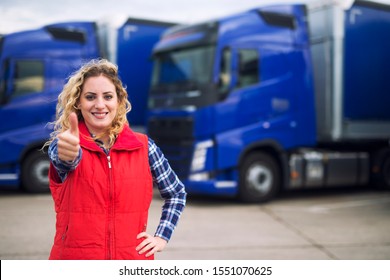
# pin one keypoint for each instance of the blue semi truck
(279, 97)
(34, 66)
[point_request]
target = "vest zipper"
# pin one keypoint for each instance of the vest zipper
(109, 162)
(110, 211)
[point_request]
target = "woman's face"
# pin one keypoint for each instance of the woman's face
(98, 103)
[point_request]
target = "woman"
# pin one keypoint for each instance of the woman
(102, 173)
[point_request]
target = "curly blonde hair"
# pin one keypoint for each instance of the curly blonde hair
(70, 96)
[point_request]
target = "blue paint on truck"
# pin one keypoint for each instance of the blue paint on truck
(283, 96)
(34, 66)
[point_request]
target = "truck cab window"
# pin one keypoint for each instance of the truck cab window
(248, 68)
(28, 77)
(225, 71)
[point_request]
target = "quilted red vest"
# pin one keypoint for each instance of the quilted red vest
(103, 204)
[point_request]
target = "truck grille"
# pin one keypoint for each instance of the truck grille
(174, 137)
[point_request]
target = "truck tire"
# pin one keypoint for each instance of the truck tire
(35, 169)
(259, 178)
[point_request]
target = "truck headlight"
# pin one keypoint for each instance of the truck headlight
(200, 155)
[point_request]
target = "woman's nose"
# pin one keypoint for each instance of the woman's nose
(99, 103)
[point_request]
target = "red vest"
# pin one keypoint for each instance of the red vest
(103, 204)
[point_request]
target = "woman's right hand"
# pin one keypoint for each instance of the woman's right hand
(69, 141)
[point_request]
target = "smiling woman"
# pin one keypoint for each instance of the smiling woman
(102, 173)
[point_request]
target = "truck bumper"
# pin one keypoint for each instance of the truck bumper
(9, 176)
(211, 187)
(9, 181)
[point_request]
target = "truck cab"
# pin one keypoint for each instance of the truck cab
(223, 85)
(34, 66)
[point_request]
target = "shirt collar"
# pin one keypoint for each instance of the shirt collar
(126, 140)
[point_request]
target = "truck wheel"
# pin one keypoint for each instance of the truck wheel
(35, 169)
(260, 178)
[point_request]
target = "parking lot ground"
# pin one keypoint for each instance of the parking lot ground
(347, 224)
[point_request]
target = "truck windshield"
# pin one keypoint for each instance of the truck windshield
(182, 77)
(183, 68)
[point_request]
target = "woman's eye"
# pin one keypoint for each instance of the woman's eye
(108, 97)
(89, 97)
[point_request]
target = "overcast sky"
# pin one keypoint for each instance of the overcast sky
(16, 15)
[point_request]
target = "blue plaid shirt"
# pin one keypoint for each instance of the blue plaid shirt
(171, 188)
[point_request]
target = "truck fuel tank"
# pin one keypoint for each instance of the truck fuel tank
(313, 168)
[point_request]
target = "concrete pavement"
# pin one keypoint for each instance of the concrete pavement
(321, 225)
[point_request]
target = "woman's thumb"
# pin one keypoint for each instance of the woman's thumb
(74, 124)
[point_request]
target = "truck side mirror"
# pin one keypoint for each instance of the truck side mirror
(3, 96)
(5, 78)
(225, 75)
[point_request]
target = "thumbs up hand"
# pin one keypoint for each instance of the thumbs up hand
(68, 141)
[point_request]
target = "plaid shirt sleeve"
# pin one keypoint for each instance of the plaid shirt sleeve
(171, 190)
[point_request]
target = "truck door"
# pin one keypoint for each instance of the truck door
(22, 81)
(239, 81)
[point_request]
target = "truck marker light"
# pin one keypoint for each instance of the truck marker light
(294, 175)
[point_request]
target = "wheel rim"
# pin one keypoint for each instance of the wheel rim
(41, 171)
(259, 178)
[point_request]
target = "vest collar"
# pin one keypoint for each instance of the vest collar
(126, 140)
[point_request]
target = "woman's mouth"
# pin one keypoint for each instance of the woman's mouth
(99, 115)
